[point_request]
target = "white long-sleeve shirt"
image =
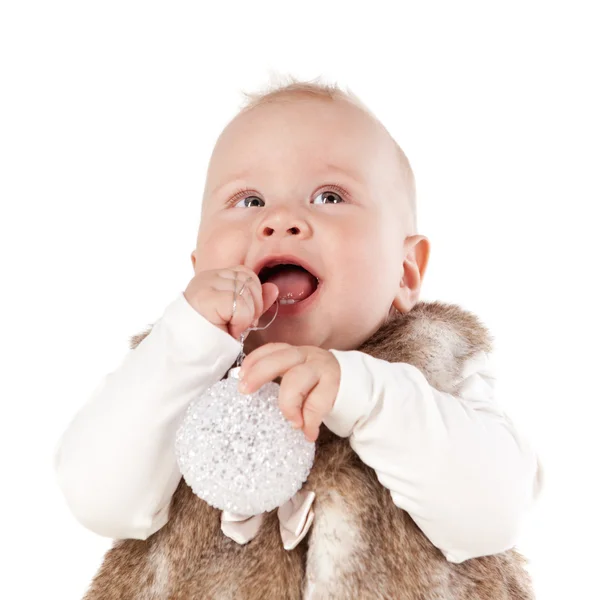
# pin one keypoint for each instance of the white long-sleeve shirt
(458, 466)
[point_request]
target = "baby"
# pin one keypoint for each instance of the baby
(317, 185)
(309, 210)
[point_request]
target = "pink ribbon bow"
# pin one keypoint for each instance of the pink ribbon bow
(295, 518)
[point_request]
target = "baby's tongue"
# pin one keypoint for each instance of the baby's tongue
(294, 283)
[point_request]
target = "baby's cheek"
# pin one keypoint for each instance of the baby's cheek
(222, 247)
(368, 285)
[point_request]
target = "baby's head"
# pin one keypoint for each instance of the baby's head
(307, 175)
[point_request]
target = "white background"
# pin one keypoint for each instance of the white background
(109, 111)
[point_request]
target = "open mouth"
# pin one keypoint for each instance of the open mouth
(295, 283)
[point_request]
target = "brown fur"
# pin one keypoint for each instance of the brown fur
(360, 545)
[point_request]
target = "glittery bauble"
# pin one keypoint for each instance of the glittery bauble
(238, 452)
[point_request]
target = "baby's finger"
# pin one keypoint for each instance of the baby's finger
(237, 315)
(237, 306)
(252, 280)
(259, 353)
(246, 278)
(315, 408)
(226, 283)
(267, 368)
(296, 385)
(270, 293)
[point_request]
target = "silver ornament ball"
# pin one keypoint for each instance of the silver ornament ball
(238, 452)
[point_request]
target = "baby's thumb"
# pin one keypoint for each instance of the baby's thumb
(270, 293)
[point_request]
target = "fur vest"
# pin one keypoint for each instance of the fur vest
(360, 545)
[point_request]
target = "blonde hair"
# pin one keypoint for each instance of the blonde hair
(280, 90)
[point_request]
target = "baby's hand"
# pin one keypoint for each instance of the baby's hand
(310, 380)
(211, 294)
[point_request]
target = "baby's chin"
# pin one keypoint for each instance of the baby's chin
(283, 334)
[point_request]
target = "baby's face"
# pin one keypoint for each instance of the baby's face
(318, 183)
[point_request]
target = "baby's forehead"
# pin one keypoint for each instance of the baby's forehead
(305, 130)
(297, 112)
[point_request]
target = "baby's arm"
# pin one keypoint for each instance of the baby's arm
(115, 463)
(458, 466)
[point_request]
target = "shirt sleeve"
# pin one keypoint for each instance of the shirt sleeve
(456, 464)
(115, 462)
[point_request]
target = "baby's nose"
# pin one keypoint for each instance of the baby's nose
(283, 225)
(269, 231)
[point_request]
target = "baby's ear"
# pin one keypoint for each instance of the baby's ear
(416, 258)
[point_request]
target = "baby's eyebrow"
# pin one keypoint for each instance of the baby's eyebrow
(237, 177)
(243, 176)
(327, 167)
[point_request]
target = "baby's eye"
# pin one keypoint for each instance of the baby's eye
(328, 197)
(250, 201)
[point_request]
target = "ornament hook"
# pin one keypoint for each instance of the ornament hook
(242, 355)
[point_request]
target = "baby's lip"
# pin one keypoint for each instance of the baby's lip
(280, 259)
